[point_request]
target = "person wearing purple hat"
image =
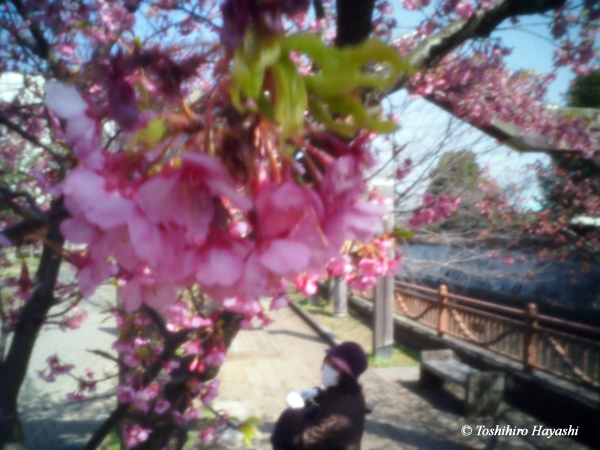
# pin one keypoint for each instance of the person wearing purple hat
(331, 417)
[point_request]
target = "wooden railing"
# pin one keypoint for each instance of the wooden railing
(564, 349)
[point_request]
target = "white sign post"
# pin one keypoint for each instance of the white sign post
(383, 301)
(340, 297)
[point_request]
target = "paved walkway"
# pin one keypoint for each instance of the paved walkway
(262, 366)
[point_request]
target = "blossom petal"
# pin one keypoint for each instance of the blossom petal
(4, 241)
(146, 239)
(78, 230)
(64, 100)
(218, 265)
(284, 256)
(131, 296)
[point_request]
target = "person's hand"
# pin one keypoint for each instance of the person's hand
(294, 400)
(308, 394)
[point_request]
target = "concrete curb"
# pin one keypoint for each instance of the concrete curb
(324, 332)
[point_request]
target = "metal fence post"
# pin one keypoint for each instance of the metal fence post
(442, 310)
(529, 344)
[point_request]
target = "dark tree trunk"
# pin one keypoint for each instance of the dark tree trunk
(14, 368)
(353, 21)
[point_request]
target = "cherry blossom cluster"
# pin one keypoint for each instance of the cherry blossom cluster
(362, 265)
(170, 227)
(150, 401)
(433, 210)
(55, 367)
(85, 386)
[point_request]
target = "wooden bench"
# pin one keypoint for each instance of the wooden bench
(483, 390)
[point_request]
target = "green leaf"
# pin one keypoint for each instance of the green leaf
(333, 90)
(249, 64)
(319, 111)
(290, 97)
(403, 234)
(265, 107)
(249, 430)
(155, 131)
(245, 78)
(342, 70)
(351, 114)
(261, 53)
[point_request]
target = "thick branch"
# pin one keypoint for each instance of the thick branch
(177, 392)
(480, 25)
(19, 232)
(40, 46)
(7, 198)
(3, 330)
(14, 367)
(353, 21)
(29, 137)
(319, 10)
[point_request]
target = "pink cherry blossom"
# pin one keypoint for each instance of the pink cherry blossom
(279, 302)
(207, 435)
(307, 283)
(134, 435)
(82, 131)
(464, 9)
(192, 414)
(339, 267)
(4, 241)
(162, 406)
(210, 392)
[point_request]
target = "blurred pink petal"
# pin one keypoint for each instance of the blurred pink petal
(279, 302)
(131, 296)
(92, 274)
(64, 100)
(219, 265)
(78, 230)
(86, 192)
(146, 239)
(4, 241)
(285, 256)
(216, 177)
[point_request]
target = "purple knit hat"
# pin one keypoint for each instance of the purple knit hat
(350, 357)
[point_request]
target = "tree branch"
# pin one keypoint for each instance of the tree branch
(172, 342)
(480, 25)
(14, 367)
(319, 10)
(177, 392)
(41, 47)
(3, 330)
(105, 355)
(30, 137)
(18, 233)
(7, 198)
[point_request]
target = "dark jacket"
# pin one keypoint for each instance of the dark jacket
(334, 422)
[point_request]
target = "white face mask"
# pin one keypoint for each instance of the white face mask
(329, 376)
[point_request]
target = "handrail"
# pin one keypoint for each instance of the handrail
(568, 324)
(472, 301)
(506, 320)
(560, 347)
